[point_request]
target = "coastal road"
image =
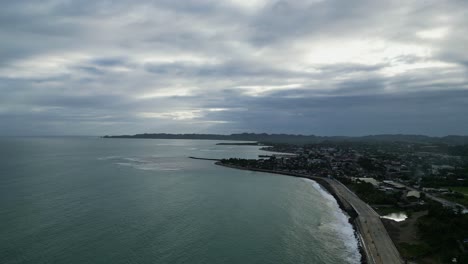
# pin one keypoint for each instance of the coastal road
(378, 245)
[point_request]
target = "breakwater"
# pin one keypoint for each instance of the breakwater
(204, 158)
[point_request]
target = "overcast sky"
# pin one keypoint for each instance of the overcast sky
(319, 67)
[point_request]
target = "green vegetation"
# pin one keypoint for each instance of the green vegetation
(461, 150)
(370, 165)
(460, 189)
(447, 180)
(413, 251)
(442, 230)
(457, 198)
(389, 210)
(369, 194)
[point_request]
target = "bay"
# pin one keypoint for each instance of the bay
(93, 200)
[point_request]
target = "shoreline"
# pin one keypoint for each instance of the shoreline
(369, 249)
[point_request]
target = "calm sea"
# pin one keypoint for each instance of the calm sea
(92, 200)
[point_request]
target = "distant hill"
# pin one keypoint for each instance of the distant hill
(306, 139)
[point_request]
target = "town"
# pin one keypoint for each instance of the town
(427, 183)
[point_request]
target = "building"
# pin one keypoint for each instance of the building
(413, 194)
(372, 181)
(394, 185)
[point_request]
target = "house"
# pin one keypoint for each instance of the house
(437, 168)
(394, 185)
(372, 181)
(413, 195)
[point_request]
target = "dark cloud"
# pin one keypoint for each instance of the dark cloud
(309, 66)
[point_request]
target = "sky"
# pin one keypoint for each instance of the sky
(322, 67)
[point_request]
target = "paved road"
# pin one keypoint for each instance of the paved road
(444, 202)
(378, 245)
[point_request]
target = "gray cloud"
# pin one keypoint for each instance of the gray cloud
(315, 67)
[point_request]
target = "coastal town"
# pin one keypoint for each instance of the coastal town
(419, 191)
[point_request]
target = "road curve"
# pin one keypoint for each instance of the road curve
(378, 245)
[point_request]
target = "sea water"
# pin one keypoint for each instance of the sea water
(93, 200)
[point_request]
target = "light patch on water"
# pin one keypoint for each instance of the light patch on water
(145, 163)
(154, 168)
(398, 217)
(213, 150)
(134, 160)
(109, 157)
(124, 164)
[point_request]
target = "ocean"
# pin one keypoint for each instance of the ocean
(92, 200)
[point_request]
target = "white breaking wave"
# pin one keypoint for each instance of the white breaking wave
(340, 225)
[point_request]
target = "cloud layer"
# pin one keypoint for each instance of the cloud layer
(324, 67)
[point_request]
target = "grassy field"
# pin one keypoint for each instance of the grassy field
(463, 201)
(388, 210)
(463, 190)
(409, 251)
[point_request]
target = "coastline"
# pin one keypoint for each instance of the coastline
(370, 243)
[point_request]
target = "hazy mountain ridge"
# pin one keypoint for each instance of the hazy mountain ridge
(304, 139)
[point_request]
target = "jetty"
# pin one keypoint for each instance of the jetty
(204, 158)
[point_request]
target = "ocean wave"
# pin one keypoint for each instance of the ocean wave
(340, 225)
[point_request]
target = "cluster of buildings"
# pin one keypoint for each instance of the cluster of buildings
(363, 160)
(390, 168)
